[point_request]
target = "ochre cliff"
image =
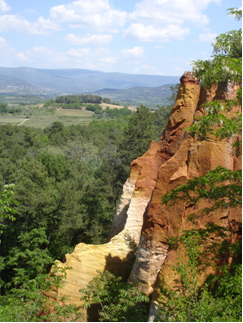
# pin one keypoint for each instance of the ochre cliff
(116, 255)
(141, 216)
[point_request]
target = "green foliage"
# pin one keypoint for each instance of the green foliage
(221, 69)
(237, 13)
(174, 90)
(79, 99)
(6, 211)
(226, 64)
(139, 132)
(221, 187)
(118, 112)
(161, 115)
(30, 301)
(93, 107)
(106, 100)
(73, 101)
(119, 301)
(3, 107)
(220, 121)
(219, 299)
(68, 182)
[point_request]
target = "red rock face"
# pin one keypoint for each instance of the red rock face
(182, 158)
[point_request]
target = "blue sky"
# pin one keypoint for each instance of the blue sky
(159, 37)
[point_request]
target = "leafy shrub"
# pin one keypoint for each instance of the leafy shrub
(119, 301)
(219, 299)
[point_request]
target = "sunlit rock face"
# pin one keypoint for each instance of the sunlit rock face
(140, 216)
(188, 159)
(137, 193)
(174, 147)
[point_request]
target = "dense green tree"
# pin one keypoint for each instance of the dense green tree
(139, 133)
(162, 115)
(174, 90)
(6, 211)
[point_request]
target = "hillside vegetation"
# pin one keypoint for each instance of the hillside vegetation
(68, 181)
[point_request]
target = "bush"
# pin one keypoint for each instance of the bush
(219, 299)
(119, 301)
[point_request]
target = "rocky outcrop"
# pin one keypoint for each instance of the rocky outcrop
(116, 255)
(189, 159)
(141, 217)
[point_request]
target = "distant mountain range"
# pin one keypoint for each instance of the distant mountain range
(34, 81)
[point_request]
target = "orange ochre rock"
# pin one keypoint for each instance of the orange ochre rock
(140, 216)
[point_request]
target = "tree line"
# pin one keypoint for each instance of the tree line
(77, 101)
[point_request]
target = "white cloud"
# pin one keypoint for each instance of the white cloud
(134, 52)
(207, 37)
(146, 69)
(103, 56)
(40, 27)
(31, 12)
(43, 57)
(162, 20)
(107, 60)
(2, 42)
(171, 11)
(22, 57)
(78, 52)
(138, 31)
(3, 6)
(90, 14)
(95, 39)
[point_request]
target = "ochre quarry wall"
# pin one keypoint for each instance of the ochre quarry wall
(140, 215)
(189, 159)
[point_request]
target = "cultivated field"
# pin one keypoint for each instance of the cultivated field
(75, 113)
(66, 116)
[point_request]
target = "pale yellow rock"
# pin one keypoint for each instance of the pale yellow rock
(87, 259)
(120, 217)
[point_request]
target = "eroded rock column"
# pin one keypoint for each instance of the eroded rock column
(174, 149)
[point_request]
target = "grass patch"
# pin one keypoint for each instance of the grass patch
(14, 120)
(74, 112)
